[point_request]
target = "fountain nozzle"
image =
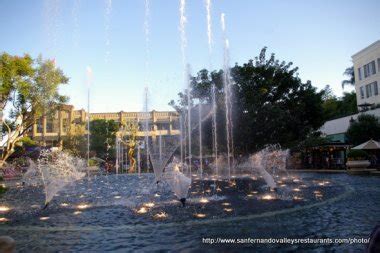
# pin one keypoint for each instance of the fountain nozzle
(46, 205)
(183, 201)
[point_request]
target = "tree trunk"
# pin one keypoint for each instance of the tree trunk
(5, 156)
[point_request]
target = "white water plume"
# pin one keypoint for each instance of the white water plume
(75, 14)
(58, 169)
(227, 95)
(107, 25)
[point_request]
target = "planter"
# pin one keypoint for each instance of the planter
(358, 167)
(360, 164)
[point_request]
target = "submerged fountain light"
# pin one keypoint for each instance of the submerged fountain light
(268, 197)
(4, 209)
(83, 206)
(43, 218)
(297, 189)
(3, 219)
(160, 216)
(204, 200)
(35, 206)
(228, 210)
(64, 204)
(157, 195)
(142, 210)
(226, 204)
(117, 197)
(149, 204)
(77, 212)
(200, 215)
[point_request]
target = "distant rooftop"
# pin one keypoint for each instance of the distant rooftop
(341, 125)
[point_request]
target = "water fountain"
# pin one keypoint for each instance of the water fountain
(227, 96)
(55, 170)
(89, 77)
(248, 189)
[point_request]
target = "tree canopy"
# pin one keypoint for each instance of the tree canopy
(270, 103)
(366, 127)
(30, 90)
(102, 137)
(336, 107)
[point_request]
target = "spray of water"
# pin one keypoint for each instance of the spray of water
(209, 30)
(213, 88)
(182, 29)
(227, 94)
(52, 24)
(189, 105)
(74, 14)
(58, 169)
(147, 74)
(89, 79)
(200, 138)
(146, 126)
(186, 72)
(107, 25)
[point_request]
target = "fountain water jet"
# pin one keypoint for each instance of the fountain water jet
(58, 169)
(107, 20)
(89, 79)
(227, 96)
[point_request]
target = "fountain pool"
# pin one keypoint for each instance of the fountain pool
(121, 212)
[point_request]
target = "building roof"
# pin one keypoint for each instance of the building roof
(375, 44)
(338, 126)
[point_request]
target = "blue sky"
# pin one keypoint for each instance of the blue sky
(318, 36)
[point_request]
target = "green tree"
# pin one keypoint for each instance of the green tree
(103, 132)
(366, 127)
(350, 74)
(336, 107)
(75, 142)
(30, 90)
(270, 103)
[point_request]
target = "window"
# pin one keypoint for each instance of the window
(366, 72)
(360, 73)
(378, 64)
(369, 69)
(372, 65)
(368, 90)
(361, 92)
(375, 89)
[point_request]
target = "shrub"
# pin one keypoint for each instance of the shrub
(93, 162)
(357, 155)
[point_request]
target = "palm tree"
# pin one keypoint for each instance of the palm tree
(350, 73)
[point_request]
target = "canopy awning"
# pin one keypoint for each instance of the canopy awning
(371, 144)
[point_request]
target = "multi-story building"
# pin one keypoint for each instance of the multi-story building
(50, 130)
(367, 76)
(367, 86)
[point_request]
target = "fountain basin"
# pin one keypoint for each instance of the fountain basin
(113, 223)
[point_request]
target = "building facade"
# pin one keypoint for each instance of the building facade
(50, 129)
(367, 75)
